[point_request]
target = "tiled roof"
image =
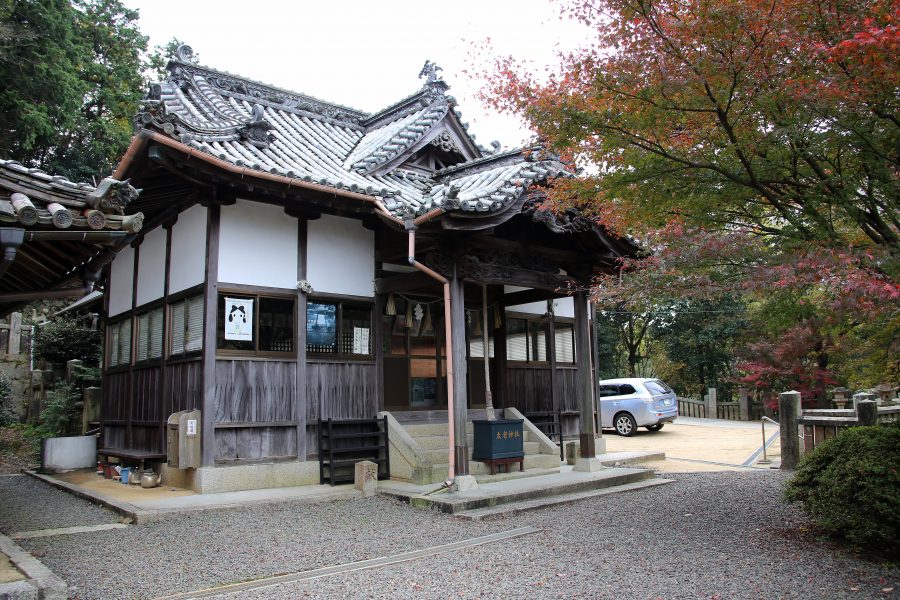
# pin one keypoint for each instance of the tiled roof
(261, 127)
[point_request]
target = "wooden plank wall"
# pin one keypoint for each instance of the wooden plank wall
(528, 389)
(249, 394)
(338, 390)
(114, 410)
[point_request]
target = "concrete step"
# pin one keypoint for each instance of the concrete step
(434, 442)
(439, 455)
(513, 508)
(440, 471)
(428, 429)
(559, 484)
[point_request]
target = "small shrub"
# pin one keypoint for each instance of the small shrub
(65, 339)
(58, 416)
(7, 414)
(850, 486)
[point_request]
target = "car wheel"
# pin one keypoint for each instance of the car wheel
(656, 427)
(625, 424)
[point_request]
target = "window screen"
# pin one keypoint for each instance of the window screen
(565, 343)
(517, 339)
(187, 326)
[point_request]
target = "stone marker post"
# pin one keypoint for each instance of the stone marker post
(711, 411)
(365, 477)
(744, 400)
(867, 412)
(789, 413)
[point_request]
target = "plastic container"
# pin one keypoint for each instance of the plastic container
(125, 473)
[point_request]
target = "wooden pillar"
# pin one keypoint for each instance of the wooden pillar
(551, 357)
(164, 402)
(129, 433)
(595, 370)
(501, 390)
(211, 299)
(458, 348)
(301, 400)
(584, 376)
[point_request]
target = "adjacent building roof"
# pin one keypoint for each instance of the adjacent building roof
(415, 155)
(56, 234)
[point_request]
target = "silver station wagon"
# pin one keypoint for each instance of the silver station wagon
(626, 404)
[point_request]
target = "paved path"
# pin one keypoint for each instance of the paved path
(708, 535)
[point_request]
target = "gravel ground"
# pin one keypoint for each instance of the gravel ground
(27, 504)
(709, 535)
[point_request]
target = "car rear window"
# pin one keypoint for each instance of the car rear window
(657, 387)
(626, 389)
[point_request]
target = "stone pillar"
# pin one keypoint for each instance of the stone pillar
(789, 414)
(711, 411)
(867, 413)
(862, 396)
(15, 333)
(458, 348)
(71, 367)
(583, 388)
(744, 400)
(365, 478)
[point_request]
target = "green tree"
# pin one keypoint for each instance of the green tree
(72, 75)
(699, 338)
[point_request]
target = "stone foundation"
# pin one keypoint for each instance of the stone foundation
(234, 478)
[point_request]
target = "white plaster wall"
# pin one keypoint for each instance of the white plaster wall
(152, 266)
(532, 308)
(257, 245)
(564, 307)
(121, 281)
(188, 262)
(340, 256)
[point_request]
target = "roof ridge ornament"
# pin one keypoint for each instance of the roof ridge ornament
(430, 70)
(185, 54)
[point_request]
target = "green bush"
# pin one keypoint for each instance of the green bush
(64, 339)
(7, 414)
(850, 487)
(61, 411)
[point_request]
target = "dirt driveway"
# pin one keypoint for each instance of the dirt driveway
(695, 445)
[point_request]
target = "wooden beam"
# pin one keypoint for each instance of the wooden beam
(528, 296)
(404, 282)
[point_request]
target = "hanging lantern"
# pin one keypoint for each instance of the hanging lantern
(390, 307)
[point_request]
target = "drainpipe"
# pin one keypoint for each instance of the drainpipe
(448, 333)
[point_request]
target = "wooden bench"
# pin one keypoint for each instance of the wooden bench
(493, 463)
(138, 456)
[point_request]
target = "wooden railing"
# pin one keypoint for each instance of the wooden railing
(688, 407)
(821, 425)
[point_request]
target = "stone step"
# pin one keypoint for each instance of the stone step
(435, 442)
(440, 471)
(513, 508)
(428, 429)
(439, 455)
(559, 484)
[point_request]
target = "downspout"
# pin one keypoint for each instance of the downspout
(448, 333)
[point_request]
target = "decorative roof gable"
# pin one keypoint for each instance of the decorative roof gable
(395, 154)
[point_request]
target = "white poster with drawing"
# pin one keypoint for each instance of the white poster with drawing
(239, 319)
